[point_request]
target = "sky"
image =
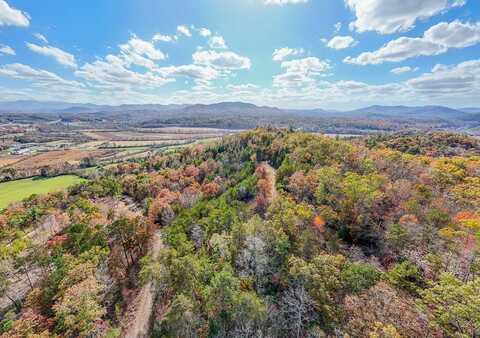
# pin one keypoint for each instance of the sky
(331, 54)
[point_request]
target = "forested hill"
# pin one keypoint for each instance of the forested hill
(268, 233)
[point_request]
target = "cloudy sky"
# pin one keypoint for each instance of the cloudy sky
(337, 54)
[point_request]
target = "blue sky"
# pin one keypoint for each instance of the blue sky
(288, 53)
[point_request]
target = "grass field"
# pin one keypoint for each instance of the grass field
(18, 190)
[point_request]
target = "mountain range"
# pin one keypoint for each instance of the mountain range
(239, 108)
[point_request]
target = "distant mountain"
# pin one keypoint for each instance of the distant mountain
(232, 109)
(33, 106)
(402, 112)
(471, 110)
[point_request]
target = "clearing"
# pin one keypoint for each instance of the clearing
(18, 190)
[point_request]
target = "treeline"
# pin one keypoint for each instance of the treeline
(431, 144)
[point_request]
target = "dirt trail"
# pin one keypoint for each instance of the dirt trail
(140, 325)
(271, 177)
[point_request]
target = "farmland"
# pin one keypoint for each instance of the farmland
(63, 148)
(18, 190)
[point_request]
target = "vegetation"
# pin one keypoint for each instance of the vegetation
(15, 191)
(268, 233)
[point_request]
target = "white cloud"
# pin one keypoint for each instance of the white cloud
(140, 52)
(184, 30)
(164, 38)
(436, 40)
(205, 32)
(59, 55)
(448, 81)
(389, 16)
(112, 71)
(217, 42)
(223, 60)
(37, 76)
(300, 72)
(403, 70)
(41, 37)
(242, 87)
(310, 65)
(4, 49)
(454, 34)
(285, 2)
(282, 53)
(341, 42)
(193, 71)
(12, 17)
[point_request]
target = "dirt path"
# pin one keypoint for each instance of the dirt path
(271, 177)
(140, 325)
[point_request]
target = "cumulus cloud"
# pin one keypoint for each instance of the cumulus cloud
(192, 71)
(164, 38)
(300, 72)
(205, 32)
(37, 76)
(310, 65)
(217, 42)
(283, 53)
(223, 60)
(436, 40)
(285, 2)
(184, 30)
(113, 71)
(4, 49)
(341, 42)
(41, 37)
(141, 52)
(62, 57)
(12, 17)
(389, 16)
(463, 78)
(403, 70)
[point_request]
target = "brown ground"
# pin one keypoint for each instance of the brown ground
(57, 157)
(142, 306)
(9, 160)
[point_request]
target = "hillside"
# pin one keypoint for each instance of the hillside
(266, 233)
(240, 115)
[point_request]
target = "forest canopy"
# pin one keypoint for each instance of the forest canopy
(267, 233)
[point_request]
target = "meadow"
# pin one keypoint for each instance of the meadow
(20, 189)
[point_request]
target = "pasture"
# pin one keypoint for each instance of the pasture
(18, 190)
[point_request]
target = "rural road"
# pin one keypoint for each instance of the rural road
(139, 327)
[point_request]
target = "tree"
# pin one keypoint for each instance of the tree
(79, 311)
(381, 309)
(454, 305)
(297, 309)
(182, 319)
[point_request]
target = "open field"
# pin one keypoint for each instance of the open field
(59, 149)
(56, 157)
(155, 134)
(18, 190)
(8, 160)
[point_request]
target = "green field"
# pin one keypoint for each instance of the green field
(20, 189)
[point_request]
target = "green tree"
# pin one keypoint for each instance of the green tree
(454, 305)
